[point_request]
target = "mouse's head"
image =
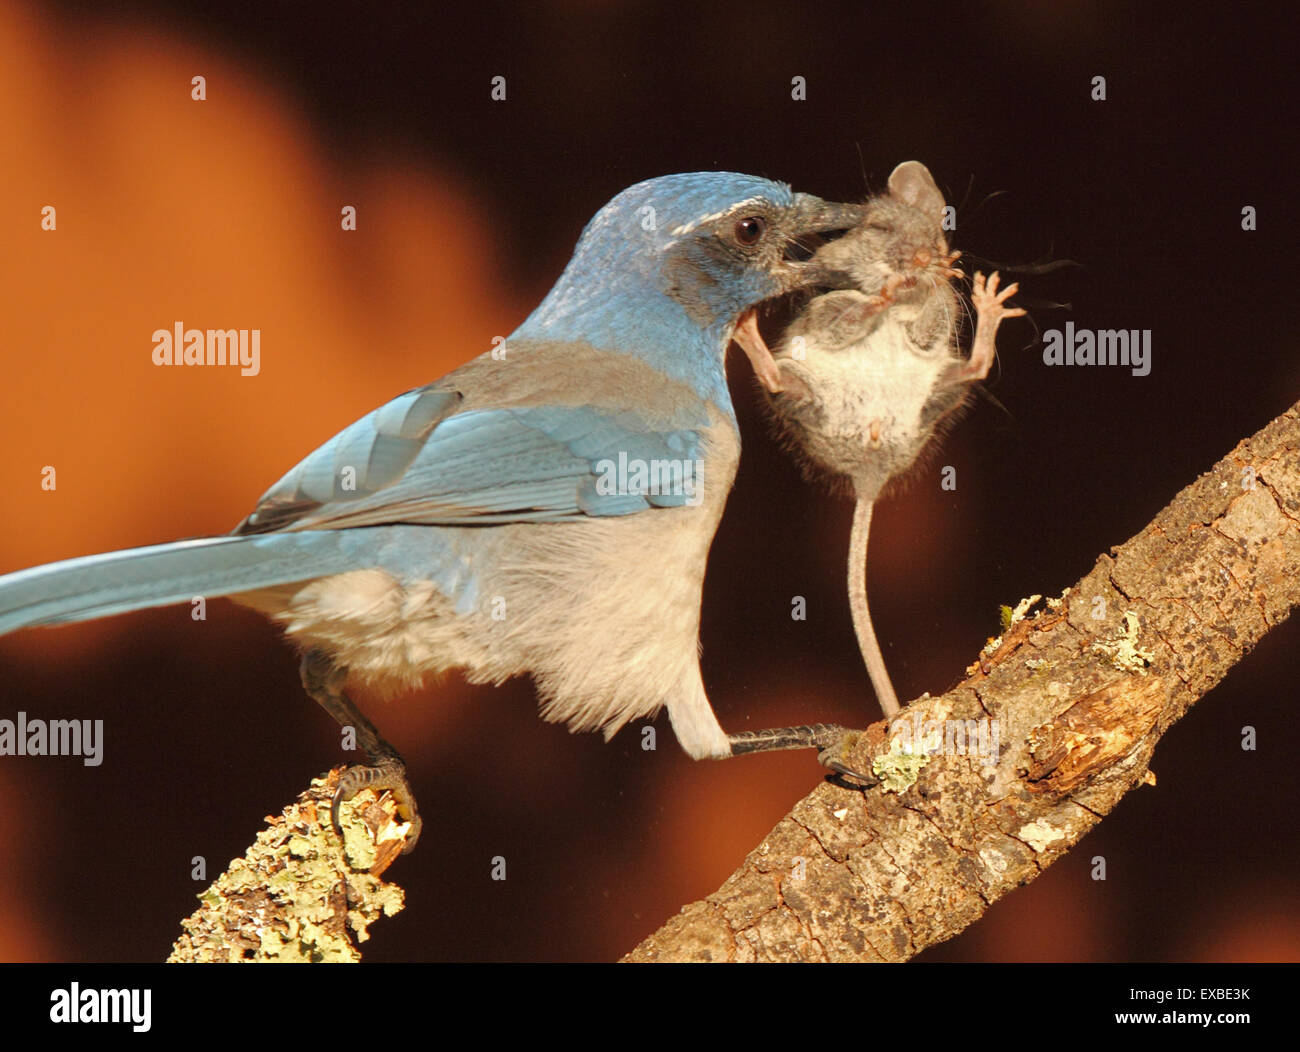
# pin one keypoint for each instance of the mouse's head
(900, 233)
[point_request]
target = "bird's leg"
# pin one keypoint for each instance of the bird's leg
(833, 742)
(323, 680)
(875, 662)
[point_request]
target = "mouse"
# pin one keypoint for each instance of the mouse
(866, 379)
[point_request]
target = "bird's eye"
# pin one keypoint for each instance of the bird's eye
(750, 229)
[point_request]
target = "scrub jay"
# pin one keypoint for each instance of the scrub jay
(547, 508)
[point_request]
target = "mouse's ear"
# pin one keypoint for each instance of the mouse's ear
(912, 183)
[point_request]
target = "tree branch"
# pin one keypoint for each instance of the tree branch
(298, 894)
(1074, 698)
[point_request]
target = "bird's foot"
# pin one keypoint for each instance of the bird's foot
(836, 751)
(388, 772)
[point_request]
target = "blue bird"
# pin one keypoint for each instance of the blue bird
(547, 508)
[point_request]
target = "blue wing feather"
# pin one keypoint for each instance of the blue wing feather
(422, 460)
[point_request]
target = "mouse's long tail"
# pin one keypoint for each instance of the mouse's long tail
(866, 633)
(139, 578)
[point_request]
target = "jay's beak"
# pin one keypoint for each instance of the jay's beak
(811, 215)
(814, 215)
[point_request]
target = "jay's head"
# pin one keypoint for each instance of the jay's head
(672, 264)
(715, 243)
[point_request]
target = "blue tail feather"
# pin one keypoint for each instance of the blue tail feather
(140, 578)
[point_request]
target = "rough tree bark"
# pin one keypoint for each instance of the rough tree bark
(1075, 697)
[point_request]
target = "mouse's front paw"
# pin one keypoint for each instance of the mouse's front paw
(990, 308)
(945, 264)
(990, 304)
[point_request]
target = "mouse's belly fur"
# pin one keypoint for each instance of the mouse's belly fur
(872, 404)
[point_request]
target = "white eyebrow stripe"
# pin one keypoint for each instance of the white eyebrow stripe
(686, 228)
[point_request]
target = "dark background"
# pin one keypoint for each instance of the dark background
(387, 107)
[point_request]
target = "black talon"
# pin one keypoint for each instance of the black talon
(849, 772)
(335, 803)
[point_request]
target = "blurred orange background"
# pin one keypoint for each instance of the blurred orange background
(226, 213)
